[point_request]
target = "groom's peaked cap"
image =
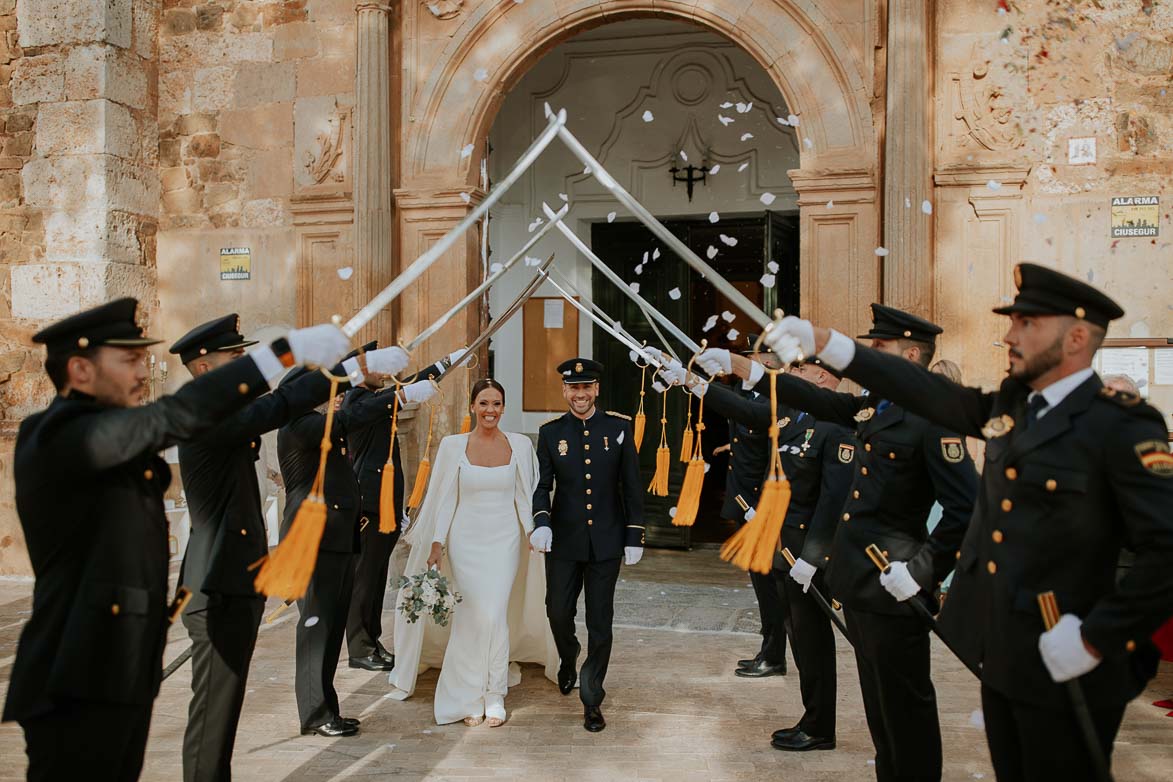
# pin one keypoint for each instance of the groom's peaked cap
(580, 370)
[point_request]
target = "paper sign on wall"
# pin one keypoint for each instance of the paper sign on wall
(552, 314)
(1135, 216)
(235, 263)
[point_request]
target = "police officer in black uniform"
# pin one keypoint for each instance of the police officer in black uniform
(369, 446)
(749, 459)
(903, 464)
(1073, 472)
(817, 458)
(594, 520)
(325, 606)
(89, 662)
(227, 536)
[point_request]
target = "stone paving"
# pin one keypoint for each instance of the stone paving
(674, 709)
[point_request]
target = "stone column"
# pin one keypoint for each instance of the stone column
(372, 159)
(908, 158)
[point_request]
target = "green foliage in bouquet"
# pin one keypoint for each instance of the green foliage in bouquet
(427, 594)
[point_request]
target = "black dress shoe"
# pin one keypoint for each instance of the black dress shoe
(782, 733)
(350, 721)
(799, 741)
(749, 662)
(592, 719)
(336, 728)
(762, 669)
(372, 662)
(386, 655)
(566, 679)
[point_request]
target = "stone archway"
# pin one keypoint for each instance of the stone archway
(457, 69)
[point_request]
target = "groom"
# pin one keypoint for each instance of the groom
(596, 518)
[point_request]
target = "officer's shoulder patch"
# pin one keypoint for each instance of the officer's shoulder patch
(624, 416)
(952, 450)
(1122, 398)
(551, 420)
(846, 453)
(1155, 457)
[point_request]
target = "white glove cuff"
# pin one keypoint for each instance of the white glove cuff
(354, 372)
(756, 371)
(268, 364)
(839, 351)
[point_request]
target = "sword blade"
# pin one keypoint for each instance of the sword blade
(630, 344)
(484, 286)
(736, 297)
(421, 264)
(571, 288)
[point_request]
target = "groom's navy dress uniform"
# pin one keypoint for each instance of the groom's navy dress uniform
(596, 511)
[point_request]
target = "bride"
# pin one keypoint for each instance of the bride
(473, 525)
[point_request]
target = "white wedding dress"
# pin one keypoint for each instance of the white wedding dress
(485, 516)
(484, 545)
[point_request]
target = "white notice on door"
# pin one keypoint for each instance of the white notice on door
(1133, 362)
(552, 314)
(1163, 367)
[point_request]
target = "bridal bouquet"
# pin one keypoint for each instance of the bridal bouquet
(428, 594)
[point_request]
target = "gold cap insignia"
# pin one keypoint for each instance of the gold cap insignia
(83, 342)
(865, 414)
(578, 366)
(996, 427)
(907, 333)
(1080, 313)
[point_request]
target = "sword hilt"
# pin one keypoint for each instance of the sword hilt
(878, 558)
(1049, 608)
(790, 560)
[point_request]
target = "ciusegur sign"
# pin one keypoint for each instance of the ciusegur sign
(1135, 216)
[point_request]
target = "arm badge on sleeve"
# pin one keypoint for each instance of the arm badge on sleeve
(952, 450)
(846, 453)
(1155, 457)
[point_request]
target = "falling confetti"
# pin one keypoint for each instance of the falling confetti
(767, 280)
(907, 202)
(311, 621)
(610, 217)
(726, 105)
(926, 207)
(767, 198)
(1039, 218)
(634, 287)
(714, 217)
(465, 197)
(830, 204)
(743, 166)
(711, 252)
(743, 108)
(728, 316)
(466, 152)
(881, 251)
(655, 253)
(994, 184)
(532, 261)
(481, 74)
(733, 335)
(710, 323)
(773, 267)
(645, 260)
(977, 719)
(707, 466)
(586, 171)
(684, 156)
(724, 120)
(746, 136)
(633, 356)
(715, 169)
(537, 221)
(808, 143)
(729, 241)
(565, 198)
(648, 116)
(674, 294)
(494, 268)
(639, 268)
(671, 513)
(345, 272)
(749, 514)
(792, 120)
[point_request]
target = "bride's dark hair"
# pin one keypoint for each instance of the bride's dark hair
(481, 385)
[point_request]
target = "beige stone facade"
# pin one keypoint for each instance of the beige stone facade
(139, 137)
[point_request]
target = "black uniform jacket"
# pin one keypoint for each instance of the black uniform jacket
(369, 446)
(598, 506)
(89, 491)
(903, 463)
(749, 458)
(223, 496)
(1058, 501)
(817, 458)
(299, 451)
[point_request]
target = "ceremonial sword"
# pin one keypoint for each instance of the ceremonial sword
(421, 264)
(602, 313)
(822, 601)
(603, 325)
(484, 286)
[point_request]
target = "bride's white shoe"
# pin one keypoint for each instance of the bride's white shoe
(495, 712)
(472, 722)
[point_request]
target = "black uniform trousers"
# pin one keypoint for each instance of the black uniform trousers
(327, 600)
(812, 642)
(87, 740)
(1029, 742)
(223, 637)
(565, 580)
(892, 654)
(364, 626)
(772, 610)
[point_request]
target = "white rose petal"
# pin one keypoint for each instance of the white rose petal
(782, 120)
(537, 221)
(532, 261)
(994, 184)
(712, 321)
(714, 217)
(830, 204)
(711, 251)
(655, 253)
(715, 169)
(645, 256)
(648, 116)
(674, 294)
(345, 272)
(480, 74)
(586, 171)
(467, 151)
(767, 280)
(728, 316)
(684, 156)
(749, 514)
(768, 198)
(746, 136)
(639, 268)
(977, 719)
(792, 119)
(495, 267)
(741, 107)
(726, 105)
(926, 206)
(729, 241)
(808, 143)
(881, 251)
(773, 267)
(465, 197)
(610, 217)
(707, 466)
(311, 621)
(733, 335)
(634, 287)
(671, 513)
(564, 197)
(724, 120)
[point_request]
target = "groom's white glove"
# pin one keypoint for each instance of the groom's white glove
(632, 554)
(541, 539)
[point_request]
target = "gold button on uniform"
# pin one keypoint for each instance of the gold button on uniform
(587, 447)
(589, 506)
(1007, 505)
(253, 444)
(868, 447)
(588, 476)
(855, 494)
(846, 516)
(802, 526)
(588, 461)
(891, 455)
(1051, 484)
(586, 432)
(244, 532)
(1130, 646)
(344, 450)
(992, 567)
(588, 491)
(114, 609)
(1011, 474)
(736, 440)
(997, 535)
(590, 522)
(863, 470)
(148, 474)
(242, 388)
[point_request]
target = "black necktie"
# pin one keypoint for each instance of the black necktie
(1036, 405)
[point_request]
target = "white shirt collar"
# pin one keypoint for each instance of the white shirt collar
(1058, 391)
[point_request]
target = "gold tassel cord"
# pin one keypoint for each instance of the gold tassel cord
(659, 484)
(286, 572)
(689, 504)
(387, 520)
(752, 547)
(641, 420)
(425, 468)
(466, 425)
(686, 438)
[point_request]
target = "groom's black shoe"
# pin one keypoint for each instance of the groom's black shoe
(801, 742)
(566, 679)
(336, 728)
(762, 669)
(783, 733)
(372, 662)
(592, 719)
(386, 655)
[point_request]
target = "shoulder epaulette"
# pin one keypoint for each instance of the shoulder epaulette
(619, 415)
(1122, 398)
(550, 421)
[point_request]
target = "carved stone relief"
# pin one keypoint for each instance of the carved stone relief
(322, 162)
(444, 9)
(982, 105)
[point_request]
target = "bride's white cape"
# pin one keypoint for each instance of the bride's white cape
(421, 645)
